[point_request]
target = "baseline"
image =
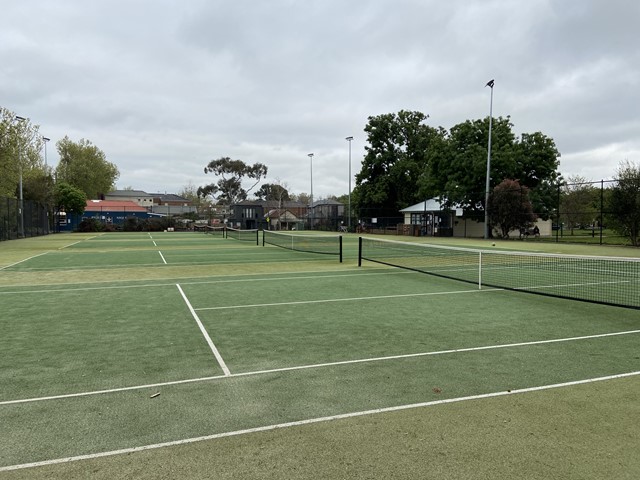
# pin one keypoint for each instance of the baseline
(310, 421)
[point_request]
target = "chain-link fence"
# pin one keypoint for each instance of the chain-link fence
(30, 221)
(584, 215)
(571, 213)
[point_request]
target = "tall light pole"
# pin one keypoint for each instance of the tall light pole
(45, 140)
(311, 202)
(486, 196)
(21, 201)
(349, 139)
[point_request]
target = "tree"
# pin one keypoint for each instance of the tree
(457, 166)
(578, 200)
(303, 198)
(85, 166)
(624, 202)
(39, 186)
(396, 157)
(20, 147)
(229, 187)
(273, 192)
(69, 198)
(510, 207)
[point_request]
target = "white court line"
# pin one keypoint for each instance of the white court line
(311, 421)
(21, 261)
(351, 299)
(154, 243)
(70, 245)
(213, 348)
(162, 257)
(318, 365)
(271, 278)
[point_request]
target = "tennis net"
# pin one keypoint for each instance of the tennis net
(213, 230)
(243, 235)
(605, 280)
(323, 244)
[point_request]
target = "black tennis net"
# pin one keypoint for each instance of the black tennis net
(323, 244)
(605, 280)
(213, 230)
(243, 235)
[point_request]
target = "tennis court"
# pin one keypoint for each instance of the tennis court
(119, 347)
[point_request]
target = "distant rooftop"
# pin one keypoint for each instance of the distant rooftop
(113, 205)
(128, 193)
(168, 197)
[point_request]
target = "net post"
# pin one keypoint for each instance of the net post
(340, 240)
(263, 238)
(359, 251)
(257, 238)
(479, 270)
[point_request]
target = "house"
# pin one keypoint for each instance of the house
(323, 214)
(247, 215)
(326, 214)
(430, 218)
(170, 204)
(138, 196)
(282, 219)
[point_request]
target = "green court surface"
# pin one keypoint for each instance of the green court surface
(167, 355)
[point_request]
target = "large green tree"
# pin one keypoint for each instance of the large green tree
(69, 198)
(397, 150)
(85, 166)
(578, 202)
(20, 151)
(273, 192)
(38, 186)
(228, 189)
(457, 172)
(624, 202)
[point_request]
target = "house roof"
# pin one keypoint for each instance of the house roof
(128, 193)
(281, 213)
(430, 205)
(169, 197)
(326, 201)
(284, 204)
(113, 205)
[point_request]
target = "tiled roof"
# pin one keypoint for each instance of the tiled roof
(117, 205)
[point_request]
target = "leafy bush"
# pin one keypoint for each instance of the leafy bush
(91, 225)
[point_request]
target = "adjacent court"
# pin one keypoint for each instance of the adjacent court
(119, 343)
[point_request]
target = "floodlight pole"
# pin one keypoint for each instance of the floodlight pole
(21, 200)
(349, 139)
(311, 202)
(487, 186)
(45, 140)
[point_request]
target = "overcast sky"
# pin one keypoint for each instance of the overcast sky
(165, 86)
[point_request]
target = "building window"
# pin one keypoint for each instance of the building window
(417, 218)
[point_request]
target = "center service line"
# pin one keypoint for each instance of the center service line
(161, 256)
(213, 348)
